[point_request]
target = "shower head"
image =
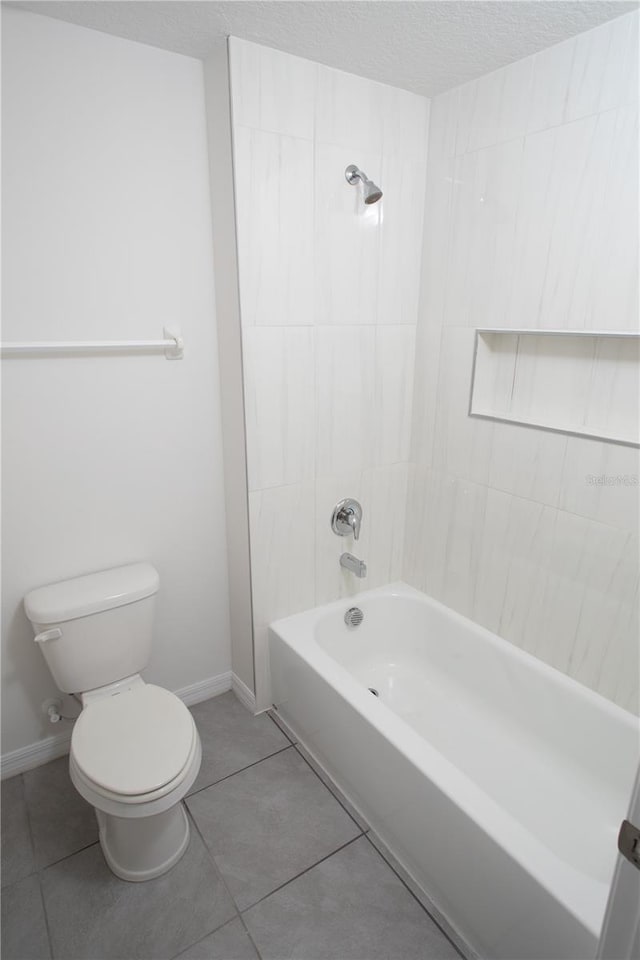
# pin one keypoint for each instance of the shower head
(371, 192)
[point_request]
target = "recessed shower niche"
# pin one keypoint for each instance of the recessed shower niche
(573, 381)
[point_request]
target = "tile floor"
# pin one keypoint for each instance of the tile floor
(276, 867)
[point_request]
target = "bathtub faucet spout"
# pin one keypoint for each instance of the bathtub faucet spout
(358, 567)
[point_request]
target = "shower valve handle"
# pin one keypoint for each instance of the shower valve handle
(346, 518)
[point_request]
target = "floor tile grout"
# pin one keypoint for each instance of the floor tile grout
(302, 873)
(280, 725)
(240, 770)
(248, 932)
(336, 793)
(67, 856)
(211, 857)
(333, 792)
(418, 901)
(46, 915)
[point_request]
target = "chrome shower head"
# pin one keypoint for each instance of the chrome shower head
(371, 192)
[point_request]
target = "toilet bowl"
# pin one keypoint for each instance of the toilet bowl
(135, 750)
(134, 755)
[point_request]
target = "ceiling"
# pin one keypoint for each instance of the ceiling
(422, 45)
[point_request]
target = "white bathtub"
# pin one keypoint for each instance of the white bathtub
(497, 781)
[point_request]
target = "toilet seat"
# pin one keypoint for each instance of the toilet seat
(135, 746)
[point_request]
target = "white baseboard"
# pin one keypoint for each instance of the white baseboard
(244, 694)
(42, 751)
(205, 689)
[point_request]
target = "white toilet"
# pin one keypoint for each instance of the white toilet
(135, 749)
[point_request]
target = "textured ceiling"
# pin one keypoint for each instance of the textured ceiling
(422, 45)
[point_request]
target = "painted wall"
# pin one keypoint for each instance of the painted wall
(223, 220)
(531, 220)
(329, 295)
(107, 235)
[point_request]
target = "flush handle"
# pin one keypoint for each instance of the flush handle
(54, 634)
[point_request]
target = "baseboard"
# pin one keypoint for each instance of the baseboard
(205, 689)
(34, 755)
(50, 748)
(244, 693)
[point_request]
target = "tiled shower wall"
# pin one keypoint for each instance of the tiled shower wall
(531, 220)
(329, 296)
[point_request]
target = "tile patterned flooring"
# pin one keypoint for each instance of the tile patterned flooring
(276, 867)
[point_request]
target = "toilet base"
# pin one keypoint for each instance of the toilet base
(145, 847)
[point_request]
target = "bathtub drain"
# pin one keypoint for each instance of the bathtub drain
(373, 691)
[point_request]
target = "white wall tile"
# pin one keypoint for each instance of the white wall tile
(425, 393)
(601, 481)
(280, 397)
(345, 371)
(608, 277)
(405, 119)
(443, 123)
(609, 571)
(551, 76)
(282, 523)
(328, 391)
(272, 90)
(388, 497)
(462, 444)
(403, 183)
(620, 82)
(274, 204)
(394, 366)
(347, 239)
(527, 462)
(591, 158)
(588, 68)
(485, 197)
(349, 112)
(515, 544)
(502, 523)
(516, 99)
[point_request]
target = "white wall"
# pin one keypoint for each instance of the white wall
(329, 294)
(107, 235)
(531, 221)
(218, 101)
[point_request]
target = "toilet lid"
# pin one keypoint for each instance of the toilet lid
(133, 742)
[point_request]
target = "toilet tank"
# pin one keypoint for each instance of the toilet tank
(105, 621)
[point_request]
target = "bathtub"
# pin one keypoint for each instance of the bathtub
(496, 781)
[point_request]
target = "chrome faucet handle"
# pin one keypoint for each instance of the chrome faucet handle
(346, 518)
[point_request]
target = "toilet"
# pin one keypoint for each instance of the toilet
(135, 749)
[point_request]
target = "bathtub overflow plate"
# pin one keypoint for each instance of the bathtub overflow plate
(353, 617)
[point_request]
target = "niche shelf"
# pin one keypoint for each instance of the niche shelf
(572, 381)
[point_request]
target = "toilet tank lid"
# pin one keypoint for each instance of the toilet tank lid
(92, 593)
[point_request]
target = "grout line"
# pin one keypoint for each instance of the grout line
(229, 775)
(248, 932)
(415, 897)
(334, 791)
(68, 856)
(218, 872)
(302, 873)
(29, 826)
(280, 725)
(45, 914)
(238, 915)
